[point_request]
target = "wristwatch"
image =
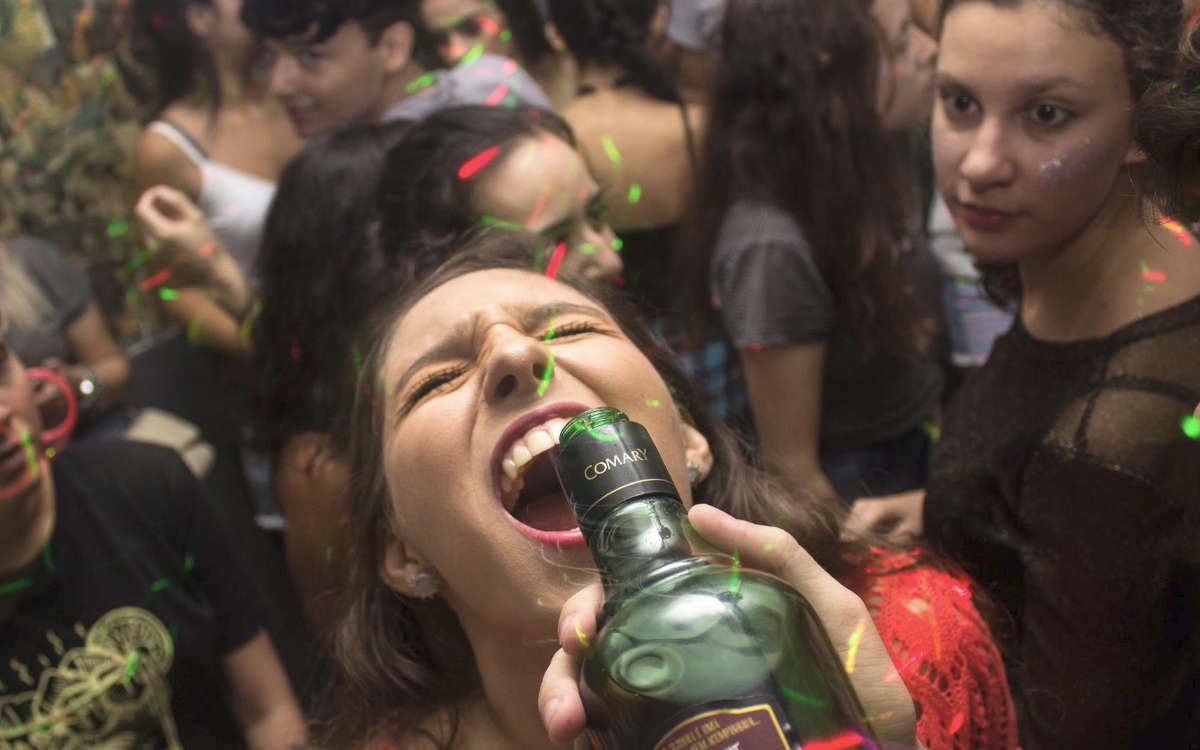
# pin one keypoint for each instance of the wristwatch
(87, 392)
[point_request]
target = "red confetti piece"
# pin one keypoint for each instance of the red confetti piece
(490, 27)
(295, 349)
(1155, 277)
(509, 67)
(556, 260)
(156, 280)
(497, 95)
(1176, 229)
(957, 722)
(838, 742)
(477, 162)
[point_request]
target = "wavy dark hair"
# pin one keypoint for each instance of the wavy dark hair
(181, 63)
(528, 29)
(277, 19)
(1168, 126)
(424, 205)
(614, 33)
(794, 125)
(1148, 33)
(405, 659)
(321, 272)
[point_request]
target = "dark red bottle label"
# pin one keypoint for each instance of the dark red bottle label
(750, 728)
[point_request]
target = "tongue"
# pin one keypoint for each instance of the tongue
(548, 512)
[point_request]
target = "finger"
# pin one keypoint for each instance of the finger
(559, 703)
(149, 214)
(577, 621)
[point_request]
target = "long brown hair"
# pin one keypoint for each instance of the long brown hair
(794, 125)
(403, 659)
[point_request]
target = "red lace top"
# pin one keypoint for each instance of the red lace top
(942, 649)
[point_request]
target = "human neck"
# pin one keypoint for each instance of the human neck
(510, 666)
(396, 88)
(26, 522)
(1099, 282)
(235, 75)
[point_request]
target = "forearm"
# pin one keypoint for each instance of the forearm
(206, 322)
(281, 728)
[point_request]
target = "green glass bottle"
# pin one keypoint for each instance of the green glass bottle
(694, 651)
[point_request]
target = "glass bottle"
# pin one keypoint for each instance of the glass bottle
(693, 650)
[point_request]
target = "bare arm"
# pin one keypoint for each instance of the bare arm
(207, 323)
(261, 697)
(92, 345)
(784, 384)
(160, 162)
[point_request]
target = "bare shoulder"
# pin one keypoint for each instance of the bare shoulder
(160, 161)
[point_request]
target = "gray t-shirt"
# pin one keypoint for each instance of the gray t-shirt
(66, 293)
(489, 79)
(770, 293)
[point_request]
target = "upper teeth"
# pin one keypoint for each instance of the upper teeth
(535, 442)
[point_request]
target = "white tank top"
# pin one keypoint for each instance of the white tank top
(234, 203)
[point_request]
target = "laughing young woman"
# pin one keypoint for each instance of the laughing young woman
(466, 550)
(1063, 482)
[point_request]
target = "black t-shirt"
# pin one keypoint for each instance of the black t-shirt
(117, 634)
(1067, 482)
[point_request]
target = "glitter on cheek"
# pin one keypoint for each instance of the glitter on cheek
(1065, 165)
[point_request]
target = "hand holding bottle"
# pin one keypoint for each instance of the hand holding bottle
(842, 613)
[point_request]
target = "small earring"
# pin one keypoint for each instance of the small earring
(693, 471)
(424, 584)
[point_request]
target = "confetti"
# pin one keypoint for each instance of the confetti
(15, 586)
(610, 148)
(118, 228)
(635, 193)
(735, 577)
(159, 585)
(957, 722)
(492, 221)
(1149, 274)
(506, 35)
(471, 56)
(133, 664)
(424, 81)
(855, 638)
(618, 244)
(477, 162)
(189, 562)
(556, 260)
(1191, 426)
(490, 27)
(1176, 229)
(542, 386)
(167, 294)
(841, 741)
(653, 402)
(497, 95)
(800, 697)
(509, 67)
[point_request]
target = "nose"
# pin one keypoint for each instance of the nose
(283, 75)
(518, 365)
(986, 162)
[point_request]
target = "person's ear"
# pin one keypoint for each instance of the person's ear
(405, 572)
(395, 46)
(696, 452)
(1134, 155)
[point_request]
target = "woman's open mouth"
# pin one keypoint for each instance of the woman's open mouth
(528, 485)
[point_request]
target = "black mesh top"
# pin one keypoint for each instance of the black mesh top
(1065, 483)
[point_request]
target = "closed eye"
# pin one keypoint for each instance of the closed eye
(431, 383)
(573, 328)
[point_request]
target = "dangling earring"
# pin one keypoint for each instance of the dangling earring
(424, 584)
(693, 472)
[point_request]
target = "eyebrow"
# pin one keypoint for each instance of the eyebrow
(1030, 86)
(451, 345)
(596, 197)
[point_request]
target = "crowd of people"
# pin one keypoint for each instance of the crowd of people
(905, 291)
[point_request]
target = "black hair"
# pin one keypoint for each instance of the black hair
(615, 33)
(794, 125)
(424, 205)
(1147, 32)
(181, 63)
(277, 19)
(528, 29)
(321, 271)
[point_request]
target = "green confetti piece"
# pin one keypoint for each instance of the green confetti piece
(1191, 426)
(424, 81)
(492, 221)
(134, 658)
(189, 562)
(167, 294)
(358, 362)
(471, 56)
(618, 244)
(653, 402)
(735, 577)
(541, 391)
(14, 586)
(587, 248)
(933, 431)
(159, 585)
(328, 556)
(48, 558)
(51, 453)
(635, 193)
(118, 228)
(506, 35)
(801, 698)
(610, 148)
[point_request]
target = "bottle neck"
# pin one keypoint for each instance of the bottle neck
(637, 538)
